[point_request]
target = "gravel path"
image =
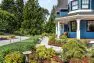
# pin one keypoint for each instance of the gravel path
(17, 39)
(45, 42)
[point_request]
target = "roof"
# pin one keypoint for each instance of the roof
(62, 4)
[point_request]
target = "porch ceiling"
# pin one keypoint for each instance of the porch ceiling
(74, 17)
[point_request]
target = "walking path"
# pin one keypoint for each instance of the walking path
(17, 39)
(45, 42)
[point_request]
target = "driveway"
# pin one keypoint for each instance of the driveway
(17, 39)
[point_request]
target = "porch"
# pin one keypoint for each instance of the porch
(77, 26)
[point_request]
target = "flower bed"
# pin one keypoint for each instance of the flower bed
(57, 42)
(44, 55)
(63, 40)
(7, 37)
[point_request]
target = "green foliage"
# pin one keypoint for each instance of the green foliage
(44, 53)
(7, 21)
(50, 25)
(7, 37)
(1, 33)
(32, 57)
(44, 34)
(28, 19)
(52, 38)
(14, 57)
(63, 37)
(91, 52)
(73, 49)
(14, 7)
(8, 5)
(84, 42)
(19, 12)
(34, 17)
(19, 46)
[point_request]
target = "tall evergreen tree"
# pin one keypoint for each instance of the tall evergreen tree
(7, 21)
(19, 12)
(15, 7)
(8, 5)
(34, 17)
(50, 25)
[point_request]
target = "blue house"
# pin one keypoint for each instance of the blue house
(76, 17)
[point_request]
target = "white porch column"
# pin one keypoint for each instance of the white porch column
(56, 29)
(58, 34)
(78, 28)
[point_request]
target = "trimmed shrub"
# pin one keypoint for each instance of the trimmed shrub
(14, 57)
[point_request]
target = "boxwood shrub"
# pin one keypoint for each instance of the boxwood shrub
(18, 46)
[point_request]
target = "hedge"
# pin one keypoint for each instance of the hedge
(18, 46)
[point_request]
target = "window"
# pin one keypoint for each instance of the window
(90, 26)
(74, 5)
(73, 26)
(58, 14)
(85, 4)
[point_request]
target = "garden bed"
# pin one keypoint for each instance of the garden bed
(7, 37)
(63, 40)
(18, 46)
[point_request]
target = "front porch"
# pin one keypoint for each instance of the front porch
(77, 26)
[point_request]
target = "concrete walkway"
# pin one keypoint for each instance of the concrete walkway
(17, 39)
(45, 42)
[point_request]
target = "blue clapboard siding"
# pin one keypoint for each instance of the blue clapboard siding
(84, 33)
(92, 5)
(62, 14)
(72, 34)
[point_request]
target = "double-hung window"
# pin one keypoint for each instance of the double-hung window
(73, 26)
(85, 4)
(74, 5)
(90, 26)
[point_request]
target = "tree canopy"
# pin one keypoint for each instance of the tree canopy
(34, 17)
(27, 18)
(50, 25)
(7, 21)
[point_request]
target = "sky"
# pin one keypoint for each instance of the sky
(48, 4)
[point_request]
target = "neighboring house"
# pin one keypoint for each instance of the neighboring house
(75, 17)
